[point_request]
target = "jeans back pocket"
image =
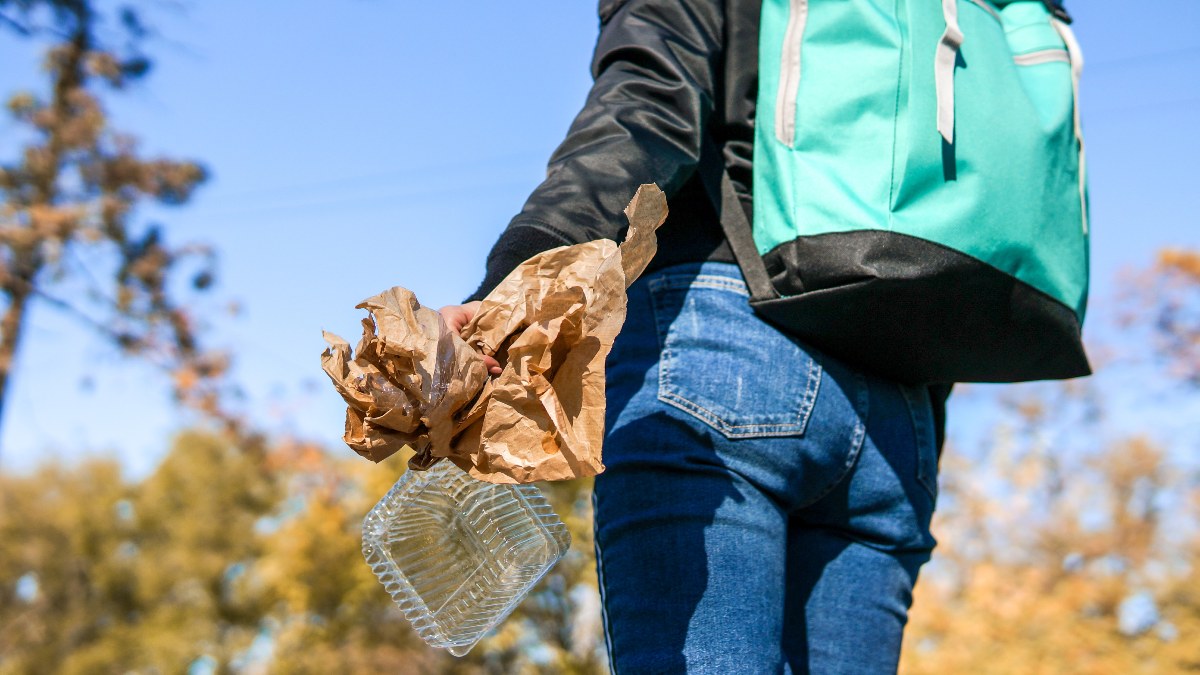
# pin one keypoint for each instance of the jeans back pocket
(723, 365)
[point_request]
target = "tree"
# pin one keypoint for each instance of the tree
(1060, 549)
(98, 574)
(1172, 290)
(243, 557)
(334, 615)
(72, 194)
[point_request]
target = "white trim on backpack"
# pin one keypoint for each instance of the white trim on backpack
(1075, 54)
(943, 69)
(789, 73)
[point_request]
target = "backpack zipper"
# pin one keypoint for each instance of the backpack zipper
(789, 73)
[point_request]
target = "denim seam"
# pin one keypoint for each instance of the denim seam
(754, 430)
(666, 395)
(921, 438)
(856, 442)
(739, 430)
(671, 282)
(608, 641)
(726, 429)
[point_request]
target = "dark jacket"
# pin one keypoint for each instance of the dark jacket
(666, 73)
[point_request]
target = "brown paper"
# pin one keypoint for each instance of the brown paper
(411, 376)
(550, 324)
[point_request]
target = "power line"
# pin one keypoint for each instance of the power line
(407, 194)
(1142, 58)
(1153, 105)
(423, 171)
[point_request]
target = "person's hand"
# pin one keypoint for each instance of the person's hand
(457, 316)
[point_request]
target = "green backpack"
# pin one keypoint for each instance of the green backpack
(920, 203)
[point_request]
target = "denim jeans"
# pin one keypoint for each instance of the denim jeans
(765, 508)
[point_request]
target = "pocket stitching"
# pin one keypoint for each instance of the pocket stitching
(923, 437)
(863, 408)
(666, 392)
(672, 282)
(731, 430)
(807, 401)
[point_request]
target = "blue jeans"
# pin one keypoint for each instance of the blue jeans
(765, 508)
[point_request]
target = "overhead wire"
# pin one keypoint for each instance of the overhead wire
(1144, 58)
(475, 163)
(430, 181)
(312, 191)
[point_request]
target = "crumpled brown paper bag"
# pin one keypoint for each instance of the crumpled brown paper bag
(550, 324)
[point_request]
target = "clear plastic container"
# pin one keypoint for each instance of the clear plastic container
(458, 554)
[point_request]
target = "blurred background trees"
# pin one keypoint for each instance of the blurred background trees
(67, 234)
(1064, 547)
(1060, 550)
(236, 557)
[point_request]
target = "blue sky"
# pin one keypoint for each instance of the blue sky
(363, 144)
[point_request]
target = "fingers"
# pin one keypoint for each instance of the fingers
(457, 316)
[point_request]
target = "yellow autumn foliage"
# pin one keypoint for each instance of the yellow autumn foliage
(1059, 552)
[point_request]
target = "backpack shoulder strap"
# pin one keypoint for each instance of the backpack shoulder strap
(1056, 9)
(734, 222)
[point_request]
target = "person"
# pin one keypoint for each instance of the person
(765, 507)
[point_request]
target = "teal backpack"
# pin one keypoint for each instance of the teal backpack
(920, 203)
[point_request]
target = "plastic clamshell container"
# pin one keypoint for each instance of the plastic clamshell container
(458, 554)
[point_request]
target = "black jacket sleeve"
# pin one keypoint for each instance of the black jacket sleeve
(655, 68)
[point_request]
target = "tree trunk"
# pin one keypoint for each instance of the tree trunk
(26, 261)
(11, 324)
